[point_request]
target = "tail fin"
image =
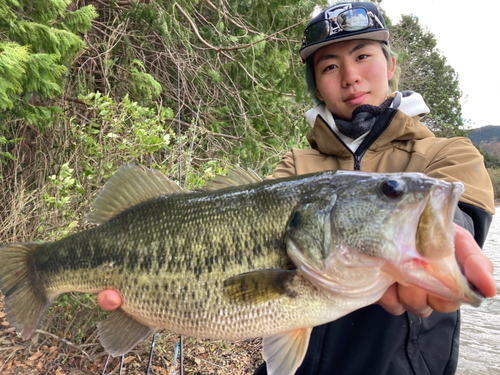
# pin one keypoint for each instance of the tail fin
(25, 297)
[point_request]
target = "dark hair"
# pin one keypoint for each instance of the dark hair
(311, 79)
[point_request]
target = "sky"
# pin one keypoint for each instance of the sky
(467, 34)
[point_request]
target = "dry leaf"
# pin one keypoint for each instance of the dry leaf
(128, 359)
(35, 356)
(53, 355)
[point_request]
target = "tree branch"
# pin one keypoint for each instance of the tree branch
(220, 49)
(74, 346)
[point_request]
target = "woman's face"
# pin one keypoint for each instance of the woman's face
(352, 73)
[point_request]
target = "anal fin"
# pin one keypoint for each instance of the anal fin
(120, 333)
(285, 352)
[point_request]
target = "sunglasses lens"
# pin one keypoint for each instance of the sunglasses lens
(353, 20)
(316, 32)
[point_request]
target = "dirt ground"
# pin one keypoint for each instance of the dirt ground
(54, 353)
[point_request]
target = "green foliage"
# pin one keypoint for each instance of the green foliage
(238, 60)
(491, 160)
(495, 179)
(143, 84)
(78, 20)
(13, 62)
(38, 42)
(425, 70)
(63, 184)
(119, 133)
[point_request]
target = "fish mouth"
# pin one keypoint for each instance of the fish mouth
(435, 267)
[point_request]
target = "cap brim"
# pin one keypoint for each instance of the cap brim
(378, 35)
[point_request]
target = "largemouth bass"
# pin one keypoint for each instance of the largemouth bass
(266, 259)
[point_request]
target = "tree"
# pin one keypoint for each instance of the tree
(425, 70)
(38, 42)
(235, 60)
(186, 87)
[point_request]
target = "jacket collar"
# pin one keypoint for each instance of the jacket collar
(404, 126)
(411, 103)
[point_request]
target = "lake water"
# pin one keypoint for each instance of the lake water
(480, 337)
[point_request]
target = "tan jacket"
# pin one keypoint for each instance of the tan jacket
(405, 145)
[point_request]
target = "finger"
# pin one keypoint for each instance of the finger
(414, 300)
(390, 301)
(442, 305)
(475, 268)
(478, 268)
(109, 300)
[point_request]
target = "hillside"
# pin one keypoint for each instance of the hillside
(485, 134)
(488, 139)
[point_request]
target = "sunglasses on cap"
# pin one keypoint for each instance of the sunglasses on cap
(350, 20)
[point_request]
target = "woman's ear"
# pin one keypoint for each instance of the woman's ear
(319, 96)
(391, 69)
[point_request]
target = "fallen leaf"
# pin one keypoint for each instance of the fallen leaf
(35, 356)
(128, 359)
(53, 355)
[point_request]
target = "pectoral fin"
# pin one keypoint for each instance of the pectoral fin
(120, 333)
(260, 286)
(285, 352)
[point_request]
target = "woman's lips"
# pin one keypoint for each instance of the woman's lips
(356, 99)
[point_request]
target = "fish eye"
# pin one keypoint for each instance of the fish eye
(393, 188)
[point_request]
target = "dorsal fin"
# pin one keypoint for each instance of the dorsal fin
(236, 176)
(130, 185)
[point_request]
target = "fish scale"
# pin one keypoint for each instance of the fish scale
(266, 259)
(221, 240)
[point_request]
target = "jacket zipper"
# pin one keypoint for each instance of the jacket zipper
(357, 157)
(386, 118)
(357, 162)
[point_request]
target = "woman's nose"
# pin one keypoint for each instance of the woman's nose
(350, 75)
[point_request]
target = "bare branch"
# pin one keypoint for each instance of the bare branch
(74, 346)
(220, 49)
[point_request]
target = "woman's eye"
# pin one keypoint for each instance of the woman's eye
(330, 67)
(362, 57)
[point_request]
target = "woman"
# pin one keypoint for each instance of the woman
(360, 126)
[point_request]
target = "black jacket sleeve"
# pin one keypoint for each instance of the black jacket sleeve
(476, 220)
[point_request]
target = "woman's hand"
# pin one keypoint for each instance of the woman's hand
(109, 299)
(478, 270)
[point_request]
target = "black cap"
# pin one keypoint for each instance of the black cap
(377, 31)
